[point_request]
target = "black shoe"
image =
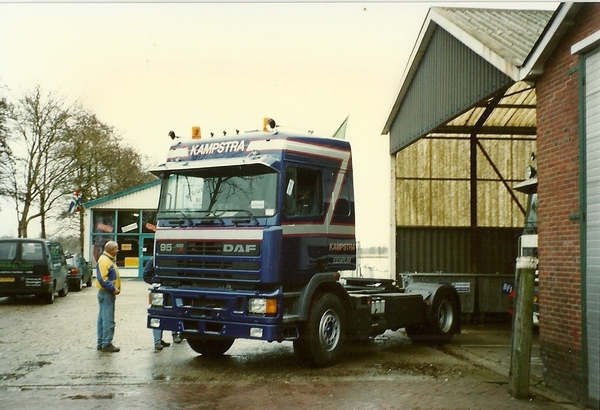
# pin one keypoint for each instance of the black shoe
(176, 338)
(164, 344)
(158, 347)
(99, 347)
(109, 348)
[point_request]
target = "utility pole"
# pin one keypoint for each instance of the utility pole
(520, 357)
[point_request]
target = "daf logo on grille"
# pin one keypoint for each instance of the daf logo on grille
(241, 248)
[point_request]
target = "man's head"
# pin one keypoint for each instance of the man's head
(111, 247)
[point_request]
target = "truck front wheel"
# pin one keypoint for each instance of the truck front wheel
(210, 347)
(443, 320)
(322, 337)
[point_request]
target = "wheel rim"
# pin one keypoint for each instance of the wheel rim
(445, 316)
(329, 330)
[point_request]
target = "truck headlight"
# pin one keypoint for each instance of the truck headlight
(156, 299)
(262, 306)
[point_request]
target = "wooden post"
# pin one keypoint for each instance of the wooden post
(520, 357)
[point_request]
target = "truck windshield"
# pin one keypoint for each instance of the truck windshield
(230, 193)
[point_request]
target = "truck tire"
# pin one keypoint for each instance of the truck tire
(322, 338)
(210, 347)
(442, 323)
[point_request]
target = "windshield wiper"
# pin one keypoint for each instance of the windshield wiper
(250, 214)
(214, 214)
(189, 219)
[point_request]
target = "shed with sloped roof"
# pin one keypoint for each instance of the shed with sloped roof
(482, 91)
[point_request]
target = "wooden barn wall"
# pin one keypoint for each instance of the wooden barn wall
(433, 182)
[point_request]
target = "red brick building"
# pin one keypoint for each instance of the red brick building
(485, 88)
(568, 281)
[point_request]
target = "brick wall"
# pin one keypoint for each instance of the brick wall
(558, 191)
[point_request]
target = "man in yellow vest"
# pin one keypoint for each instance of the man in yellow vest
(108, 283)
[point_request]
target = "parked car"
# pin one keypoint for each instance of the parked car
(32, 267)
(80, 271)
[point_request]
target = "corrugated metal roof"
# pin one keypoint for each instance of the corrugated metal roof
(509, 33)
(137, 197)
(500, 99)
(513, 114)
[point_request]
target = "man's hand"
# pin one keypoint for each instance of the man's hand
(116, 291)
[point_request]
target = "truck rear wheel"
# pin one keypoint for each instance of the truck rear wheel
(443, 320)
(322, 337)
(210, 347)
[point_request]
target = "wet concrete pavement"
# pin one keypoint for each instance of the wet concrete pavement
(48, 359)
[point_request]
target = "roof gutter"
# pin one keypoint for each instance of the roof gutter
(435, 19)
(560, 22)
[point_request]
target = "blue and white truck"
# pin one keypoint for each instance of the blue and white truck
(252, 233)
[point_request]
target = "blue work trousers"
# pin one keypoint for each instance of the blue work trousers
(157, 334)
(106, 317)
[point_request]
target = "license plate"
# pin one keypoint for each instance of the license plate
(5, 279)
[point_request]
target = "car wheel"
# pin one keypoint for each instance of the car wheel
(78, 286)
(49, 297)
(65, 290)
(89, 282)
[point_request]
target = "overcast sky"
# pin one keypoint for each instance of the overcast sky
(148, 68)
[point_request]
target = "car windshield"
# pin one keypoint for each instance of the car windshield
(223, 192)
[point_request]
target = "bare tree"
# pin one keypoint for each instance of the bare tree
(38, 125)
(85, 139)
(49, 149)
(101, 164)
(5, 152)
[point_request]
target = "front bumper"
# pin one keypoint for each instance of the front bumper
(216, 328)
(74, 279)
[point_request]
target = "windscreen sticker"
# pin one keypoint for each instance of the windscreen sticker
(257, 204)
(290, 187)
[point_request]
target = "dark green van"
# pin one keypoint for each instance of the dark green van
(32, 267)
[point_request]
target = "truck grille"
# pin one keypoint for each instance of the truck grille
(211, 264)
(185, 262)
(204, 248)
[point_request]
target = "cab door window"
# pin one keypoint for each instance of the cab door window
(303, 192)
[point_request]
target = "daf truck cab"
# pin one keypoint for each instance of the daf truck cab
(252, 233)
